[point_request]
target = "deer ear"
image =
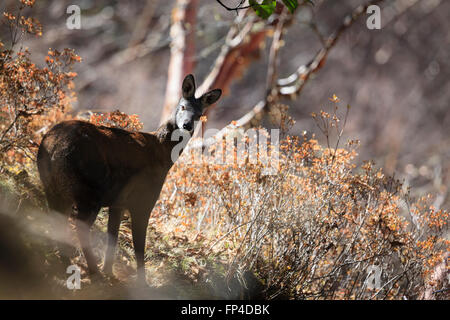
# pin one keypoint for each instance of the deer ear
(188, 86)
(210, 97)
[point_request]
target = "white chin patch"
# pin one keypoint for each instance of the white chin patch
(187, 131)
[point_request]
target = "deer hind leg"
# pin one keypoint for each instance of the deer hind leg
(139, 223)
(84, 221)
(115, 214)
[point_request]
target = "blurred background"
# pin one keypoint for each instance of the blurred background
(396, 79)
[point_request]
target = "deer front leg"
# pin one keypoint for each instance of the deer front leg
(83, 226)
(115, 214)
(64, 233)
(139, 223)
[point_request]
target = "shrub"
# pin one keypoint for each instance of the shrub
(31, 97)
(315, 230)
(116, 119)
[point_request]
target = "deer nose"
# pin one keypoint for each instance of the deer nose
(187, 126)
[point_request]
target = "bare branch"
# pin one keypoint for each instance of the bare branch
(255, 115)
(273, 54)
(290, 86)
(143, 22)
(240, 6)
(294, 83)
(242, 46)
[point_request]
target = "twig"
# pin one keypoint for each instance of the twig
(286, 86)
(143, 22)
(293, 84)
(273, 54)
(238, 7)
(11, 125)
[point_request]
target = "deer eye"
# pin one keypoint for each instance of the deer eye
(183, 108)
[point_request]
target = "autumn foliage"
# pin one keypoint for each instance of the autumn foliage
(316, 228)
(32, 98)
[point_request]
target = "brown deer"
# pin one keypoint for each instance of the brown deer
(85, 167)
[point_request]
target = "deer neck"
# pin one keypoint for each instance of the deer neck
(164, 136)
(164, 132)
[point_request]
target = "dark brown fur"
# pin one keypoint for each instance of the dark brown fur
(86, 167)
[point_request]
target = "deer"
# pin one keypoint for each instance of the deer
(85, 167)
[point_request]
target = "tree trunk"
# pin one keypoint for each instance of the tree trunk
(182, 52)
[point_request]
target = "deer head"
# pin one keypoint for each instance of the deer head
(189, 108)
